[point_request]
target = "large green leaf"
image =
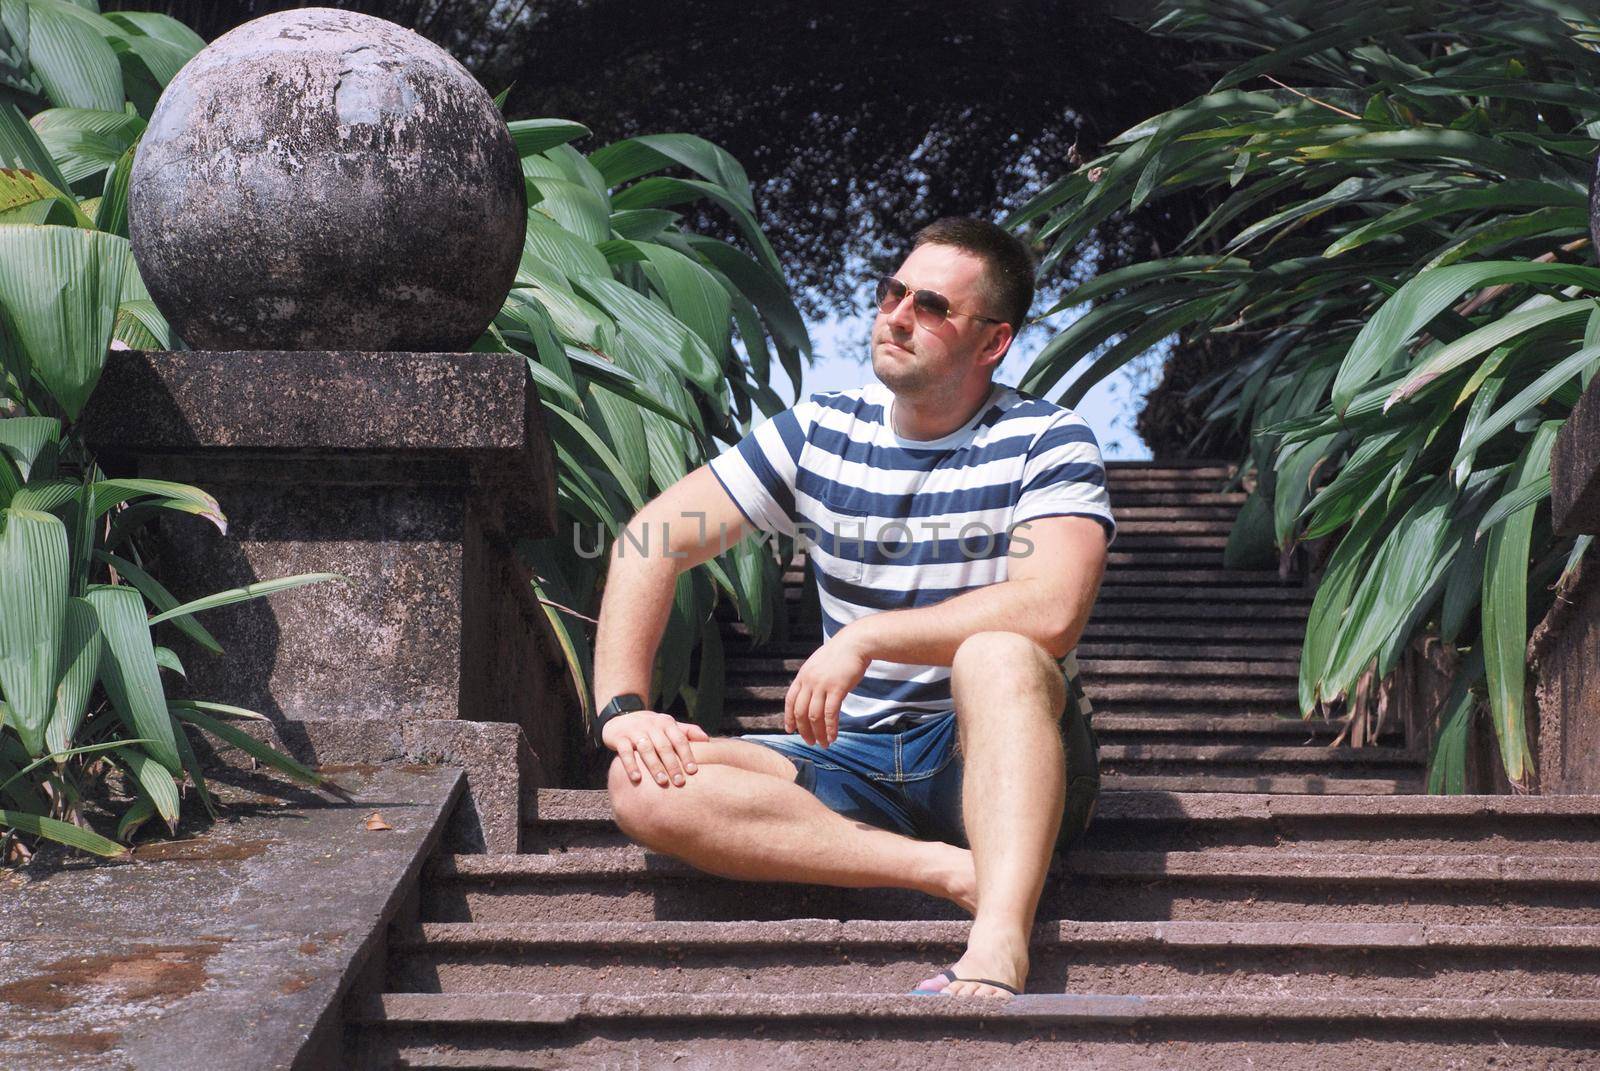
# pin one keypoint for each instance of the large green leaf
(27, 197)
(256, 590)
(1505, 611)
(1424, 297)
(77, 668)
(539, 135)
(265, 753)
(85, 142)
(624, 161)
(1484, 339)
(58, 304)
(156, 782)
(160, 598)
(1528, 398)
(33, 606)
(62, 832)
(170, 495)
(129, 672)
(161, 27)
(692, 293)
(24, 438)
(656, 333)
(20, 147)
(76, 65)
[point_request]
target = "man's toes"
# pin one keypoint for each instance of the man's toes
(976, 989)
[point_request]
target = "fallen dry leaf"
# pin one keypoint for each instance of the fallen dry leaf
(375, 821)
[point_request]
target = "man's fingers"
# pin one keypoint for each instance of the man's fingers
(680, 744)
(815, 716)
(695, 732)
(630, 761)
(668, 754)
(802, 718)
(652, 761)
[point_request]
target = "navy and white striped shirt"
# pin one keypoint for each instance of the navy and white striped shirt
(893, 523)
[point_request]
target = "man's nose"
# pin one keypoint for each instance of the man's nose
(903, 316)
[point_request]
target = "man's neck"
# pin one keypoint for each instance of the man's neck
(907, 423)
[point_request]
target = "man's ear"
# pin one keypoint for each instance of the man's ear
(1000, 344)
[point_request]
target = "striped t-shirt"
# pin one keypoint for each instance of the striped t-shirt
(893, 523)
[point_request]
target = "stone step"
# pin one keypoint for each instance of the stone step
(1106, 653)
(1330, 959)
(1163, 821)
(1192, 510)
(1138, 629)
(1228, 579)
(1119, 728)
(1149, 726)
(1250, 763)
(1113, 611)
(1190, 630)
(1133, 527)
(1141, 542)
(745, 666)
(748, 698)
(1186, 465)
(510, 1030)
(1216, 884)
(1142, 589)
(1121, 560)
(1124, 496)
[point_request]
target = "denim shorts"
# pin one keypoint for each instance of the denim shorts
(910, 781)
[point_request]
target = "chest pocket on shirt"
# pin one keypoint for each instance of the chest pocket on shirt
(850, 547)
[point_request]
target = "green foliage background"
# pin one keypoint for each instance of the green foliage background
(1400, 247)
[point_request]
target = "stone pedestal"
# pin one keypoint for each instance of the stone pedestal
(410, 473)
(1565, 648)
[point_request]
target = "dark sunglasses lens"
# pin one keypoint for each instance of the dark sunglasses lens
(890, 292)
(931, 307)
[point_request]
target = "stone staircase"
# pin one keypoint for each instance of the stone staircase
(1245, 894)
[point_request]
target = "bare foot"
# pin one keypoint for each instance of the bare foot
(953, 876)
(1004, 960)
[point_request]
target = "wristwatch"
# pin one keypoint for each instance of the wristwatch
(626, 703)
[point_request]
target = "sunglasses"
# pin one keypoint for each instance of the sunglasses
(931, 307)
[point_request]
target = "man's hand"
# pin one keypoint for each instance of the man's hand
(659, 740)
(811, 707)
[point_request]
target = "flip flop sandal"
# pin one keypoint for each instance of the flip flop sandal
(949, 975)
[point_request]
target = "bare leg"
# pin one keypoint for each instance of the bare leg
(742, 816)
(1009, 694)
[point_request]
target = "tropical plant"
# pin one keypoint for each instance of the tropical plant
(646, 342)
(80, 665)
(1400, 234)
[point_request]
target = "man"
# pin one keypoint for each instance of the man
(924, 738)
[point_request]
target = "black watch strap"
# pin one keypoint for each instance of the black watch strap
(626, 703)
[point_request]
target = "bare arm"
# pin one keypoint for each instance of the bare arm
(1051, 588)
(688, 523)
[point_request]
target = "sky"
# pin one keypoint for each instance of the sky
(843, 362)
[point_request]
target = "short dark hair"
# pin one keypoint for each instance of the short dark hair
(1008, 278)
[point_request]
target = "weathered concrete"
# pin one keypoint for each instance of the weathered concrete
(227, 949)
(411, 474)
(854, 1030)
(318, 179)
(1575, 468)
(1565, 652)
(495, 755)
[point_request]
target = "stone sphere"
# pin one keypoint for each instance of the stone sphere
(323, 180)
